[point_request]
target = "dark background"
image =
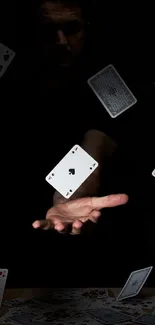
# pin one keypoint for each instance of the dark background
(36, 258)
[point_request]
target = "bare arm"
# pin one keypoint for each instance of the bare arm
(101, 148)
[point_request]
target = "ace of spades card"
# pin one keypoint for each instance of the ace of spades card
(68, 175)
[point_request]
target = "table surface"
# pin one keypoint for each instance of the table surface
(29, 292)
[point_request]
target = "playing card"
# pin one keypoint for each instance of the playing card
(22, 316)
(128, 310)
(146, 319)
(3, 278)
(18, 315)
(70, 298)
(95, 293)
(60, 315)
(15, 302)
(125, 323)
(112, 91)
(80, 298)
(25, 303)
(134, 283)
(35, 305)
(108, 316)
(94, 298)
(81, 319)
(6, 57)
(6, 320)
(21, 319)
(76, 305)
(144, 303)
(153, 173)
(72, 171)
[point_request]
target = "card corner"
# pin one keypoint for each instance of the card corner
(89, 81)
(110, 65)
(46, 178)
(113, 116)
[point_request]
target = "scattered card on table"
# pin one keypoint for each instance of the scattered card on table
(112, 91)
(3, 278)
(95, 293)
(146, 319)
(6, 57)
(134, 283)
(108, 316)
(153, 173)
(21, 318)
(15, 302)
(81, 319)
(72, 171)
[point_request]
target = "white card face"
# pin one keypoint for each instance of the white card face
(153, 173)
(112, 91)
(72, 171)
(6, 57)
(134, 283)
(3, 278)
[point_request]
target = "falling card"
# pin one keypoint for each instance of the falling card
(6, 57)
(112, 91)
(134, 283)
(72, 171)
(3, 278)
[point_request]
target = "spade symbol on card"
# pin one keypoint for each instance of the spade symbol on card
(71, 171)
(6, 57)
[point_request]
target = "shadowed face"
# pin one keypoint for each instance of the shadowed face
(62, 31)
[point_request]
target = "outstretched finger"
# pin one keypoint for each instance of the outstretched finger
(76, 227)
(60, 227)
(94, 216)
(109, 201)
(43, 224)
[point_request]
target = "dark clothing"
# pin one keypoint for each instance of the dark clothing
(40, 127)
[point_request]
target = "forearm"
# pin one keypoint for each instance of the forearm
(100, 147)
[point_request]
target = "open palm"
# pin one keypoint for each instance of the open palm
(78, 211)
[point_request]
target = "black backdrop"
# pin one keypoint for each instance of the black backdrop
(26, 252)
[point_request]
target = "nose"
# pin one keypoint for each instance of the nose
(62, 40)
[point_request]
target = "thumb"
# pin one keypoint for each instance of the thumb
(109, 201)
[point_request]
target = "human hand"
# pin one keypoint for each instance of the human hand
(77, 212)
